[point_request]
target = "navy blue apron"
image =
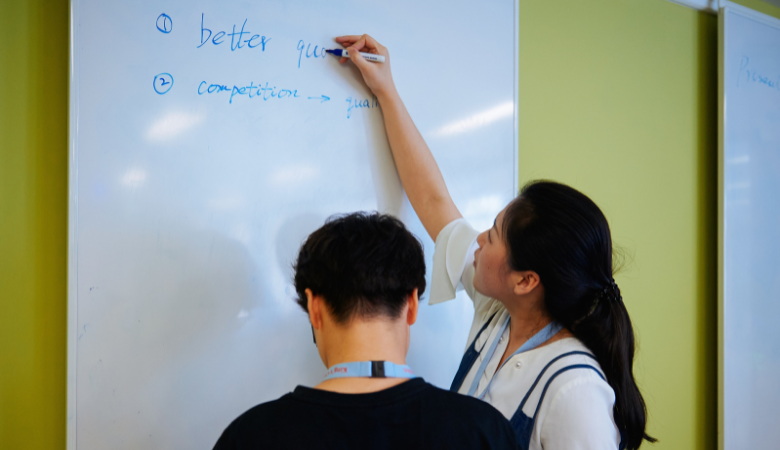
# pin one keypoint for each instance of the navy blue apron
(471, 355)
(522, 424)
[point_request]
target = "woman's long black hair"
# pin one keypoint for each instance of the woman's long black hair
(560, 233)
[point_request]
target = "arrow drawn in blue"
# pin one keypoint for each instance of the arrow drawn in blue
(322, 98)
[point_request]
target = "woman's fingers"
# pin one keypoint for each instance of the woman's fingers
(363, 43)
(347, 42)
(376, 75)
(357, 60)
(360, 44)
(350, 38)
(372, 44)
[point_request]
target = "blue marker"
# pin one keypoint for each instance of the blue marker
(368, 56)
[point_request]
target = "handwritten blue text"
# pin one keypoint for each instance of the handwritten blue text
(753, 76)
(251, 91)
(236, 38)
(353, 103)
(309, 54)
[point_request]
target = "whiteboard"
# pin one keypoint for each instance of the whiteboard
(749, 229)
(207, 140)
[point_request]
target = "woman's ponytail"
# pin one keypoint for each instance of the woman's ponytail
(564, 237)
(608, 333)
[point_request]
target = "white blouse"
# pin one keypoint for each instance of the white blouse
(576, 412)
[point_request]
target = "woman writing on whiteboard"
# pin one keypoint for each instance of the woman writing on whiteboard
(552, 345)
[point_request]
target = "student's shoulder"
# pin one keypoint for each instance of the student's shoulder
(253, 421)
(461, 407)
(456, 403)
(476, 419)
(266, 410)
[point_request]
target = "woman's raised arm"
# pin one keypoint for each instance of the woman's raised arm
(420, 175)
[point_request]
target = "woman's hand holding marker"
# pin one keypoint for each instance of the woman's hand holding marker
(377, 76)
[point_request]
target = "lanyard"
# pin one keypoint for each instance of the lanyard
(372, 369)
(536, 340)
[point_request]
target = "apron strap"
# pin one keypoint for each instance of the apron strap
(469, 358)
(524, 425)
(541, 374)
(565, 369)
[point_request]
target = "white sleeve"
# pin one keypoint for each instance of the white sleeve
(580, 417)
(452, 262)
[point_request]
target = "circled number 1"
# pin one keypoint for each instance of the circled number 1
(164, 23)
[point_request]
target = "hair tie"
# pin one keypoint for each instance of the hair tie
(611, 293)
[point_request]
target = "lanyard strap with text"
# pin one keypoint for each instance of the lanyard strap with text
(538, 339)
(371, 369)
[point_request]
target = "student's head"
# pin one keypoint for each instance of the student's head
(554, 241)
(360, 268)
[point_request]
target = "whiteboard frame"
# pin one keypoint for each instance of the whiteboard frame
(516, 126)
(721, 209)
(710, 6)
(73, 205)
(725, 6)
(73, 196)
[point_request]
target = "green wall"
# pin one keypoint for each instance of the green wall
(33, 222)
(617, 98)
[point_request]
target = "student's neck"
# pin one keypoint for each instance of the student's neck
(378, 340)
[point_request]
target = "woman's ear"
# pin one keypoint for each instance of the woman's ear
(413, 305)
(525, 281)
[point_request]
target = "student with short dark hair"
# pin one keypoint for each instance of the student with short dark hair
(359, 277)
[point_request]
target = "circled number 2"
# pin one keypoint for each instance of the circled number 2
(164, 23)
(163, 83)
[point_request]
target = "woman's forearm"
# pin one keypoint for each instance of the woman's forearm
(420, 175)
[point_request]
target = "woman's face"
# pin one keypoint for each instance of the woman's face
(490, 262)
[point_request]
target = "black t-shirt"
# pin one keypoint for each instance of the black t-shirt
(411, 415)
